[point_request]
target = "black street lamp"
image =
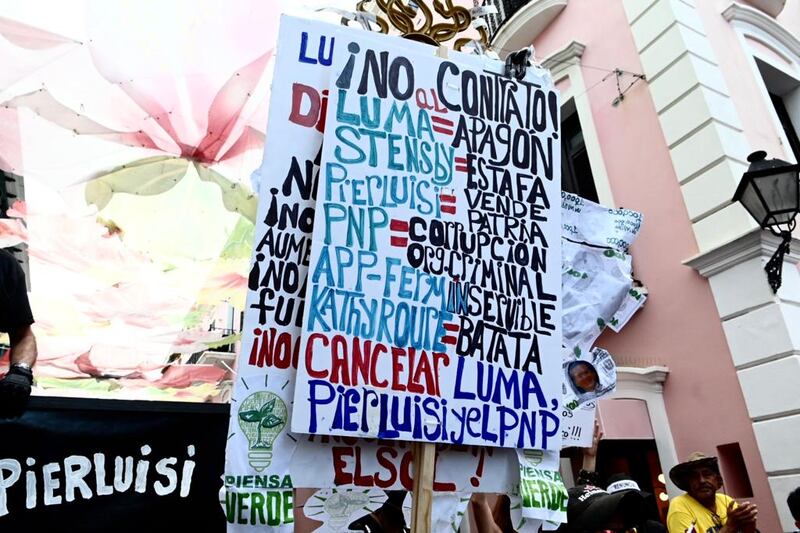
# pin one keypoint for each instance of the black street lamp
(770, 191)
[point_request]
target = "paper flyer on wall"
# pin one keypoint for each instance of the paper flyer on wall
(589, 378)
(598, 287)
(595, 285)
(591, 223)
(633, 301)
(434, 263)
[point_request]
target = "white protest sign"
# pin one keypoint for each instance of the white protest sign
(448, 510)
(542, 492)
(433, 309)
(578, 425)
(595, 283)
(337, 509)
(345, 462)
(270, 348)
(633, 301)
(341, 511)
(585, 221)
(260, 447)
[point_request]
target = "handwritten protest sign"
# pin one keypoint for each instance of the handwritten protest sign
(346, 462)
(542, 492)
(432, 308)
(595, 224)
(577, 425)
(260, 446)
(337, 509)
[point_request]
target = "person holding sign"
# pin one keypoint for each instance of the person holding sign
(16, 319)
(618, 483)
(702, 510)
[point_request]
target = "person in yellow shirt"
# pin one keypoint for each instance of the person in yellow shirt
(702, 510)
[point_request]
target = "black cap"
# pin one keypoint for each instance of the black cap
(591, 508)
(621, 481)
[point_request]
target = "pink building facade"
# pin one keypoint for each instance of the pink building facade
(711, 363)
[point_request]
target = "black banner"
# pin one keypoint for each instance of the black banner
(82, 465)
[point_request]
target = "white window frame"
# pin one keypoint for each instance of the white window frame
(565, 64)
(752, 25)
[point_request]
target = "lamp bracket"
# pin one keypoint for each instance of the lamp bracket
(774, 266)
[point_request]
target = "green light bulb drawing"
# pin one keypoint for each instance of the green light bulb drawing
(262, 417)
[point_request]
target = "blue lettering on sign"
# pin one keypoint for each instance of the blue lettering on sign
(321, 58)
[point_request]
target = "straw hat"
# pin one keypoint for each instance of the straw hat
(679, 474)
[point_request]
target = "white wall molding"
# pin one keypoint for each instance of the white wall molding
(560, 61)
(756, 243)
(754, 27)
(698, 118)
(522, 28)
(649, 379)
(739, 14)
(762, 329)
(647, 384)
(563, 64)
(772, 8)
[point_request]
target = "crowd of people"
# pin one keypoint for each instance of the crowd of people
(622, 507)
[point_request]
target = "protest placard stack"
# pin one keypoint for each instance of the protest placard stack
(406, 285)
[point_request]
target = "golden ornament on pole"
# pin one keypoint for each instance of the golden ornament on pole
(416, 20)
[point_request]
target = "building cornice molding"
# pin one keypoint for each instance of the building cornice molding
(560, 61)
(756, 243)
(650, 378)
(526, 24)
(753, 17)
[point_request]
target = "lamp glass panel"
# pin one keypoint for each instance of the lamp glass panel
(752, 202)
(780, 192)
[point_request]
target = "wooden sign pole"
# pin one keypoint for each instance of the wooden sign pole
(424, 465)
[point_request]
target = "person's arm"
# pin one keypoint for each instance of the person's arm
(588, 474)
(15, 387)
(484, 519)
(23, 346)
(590, 453)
